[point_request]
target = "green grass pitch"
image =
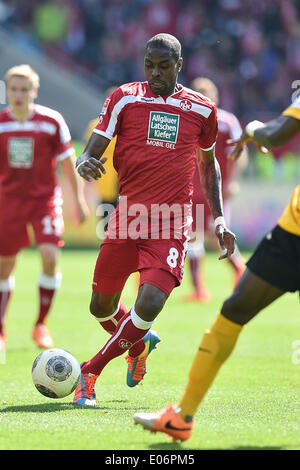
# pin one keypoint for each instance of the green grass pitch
(254, 402)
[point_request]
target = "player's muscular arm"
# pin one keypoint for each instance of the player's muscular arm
(273, 134)
(277, 132)
(90, 165)
(210, 178)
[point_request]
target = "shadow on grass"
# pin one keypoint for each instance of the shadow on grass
(166, 446)
(178, 446)
(53, 407)
(39, 408)
(256, 448)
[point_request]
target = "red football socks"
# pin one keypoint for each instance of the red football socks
(6, 288)
(126, 335)
(111, 325)
(46, 297)
(48, 286)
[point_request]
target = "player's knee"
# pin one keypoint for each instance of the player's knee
(99, 308)
(236, 309)
(149, 306)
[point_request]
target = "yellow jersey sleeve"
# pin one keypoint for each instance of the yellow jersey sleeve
(294, 109)
(107, 185)
(290, 219)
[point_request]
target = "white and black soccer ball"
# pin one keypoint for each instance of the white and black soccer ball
(55, 373)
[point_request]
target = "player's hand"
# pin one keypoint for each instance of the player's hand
(240, 145)
(226, 240)
(91, 168)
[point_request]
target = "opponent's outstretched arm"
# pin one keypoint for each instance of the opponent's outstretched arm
(266, 136)
(210, 178)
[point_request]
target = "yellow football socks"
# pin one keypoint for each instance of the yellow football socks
(216, 346)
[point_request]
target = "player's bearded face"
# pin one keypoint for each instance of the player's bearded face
(20, 93)
(161, 71)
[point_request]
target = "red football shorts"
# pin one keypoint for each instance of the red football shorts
(160, 262)
(16, 214)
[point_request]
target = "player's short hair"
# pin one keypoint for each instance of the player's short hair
(166, 41)
(206, 87)
(24, 71)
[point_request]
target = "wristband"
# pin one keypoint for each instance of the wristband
(220, 221)
(252, 126)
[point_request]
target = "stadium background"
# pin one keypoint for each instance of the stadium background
(249, 49)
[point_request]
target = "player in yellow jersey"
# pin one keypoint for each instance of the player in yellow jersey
(272, 271)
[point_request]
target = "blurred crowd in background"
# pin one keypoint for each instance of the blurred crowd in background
(249, 48)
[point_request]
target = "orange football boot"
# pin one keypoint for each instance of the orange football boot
(85, 391)
(168, 421)
(202, 295)
(3, 342)
(41, 336)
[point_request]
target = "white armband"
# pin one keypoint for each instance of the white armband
(252, 126)
(220, 221)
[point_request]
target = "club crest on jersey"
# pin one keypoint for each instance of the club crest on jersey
(186, 105)
(105, 106)
(163, 127)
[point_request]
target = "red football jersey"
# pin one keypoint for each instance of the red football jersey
(228, 128)
(30, 150)
(157, 138)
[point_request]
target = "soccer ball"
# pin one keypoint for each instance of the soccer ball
(55, 373)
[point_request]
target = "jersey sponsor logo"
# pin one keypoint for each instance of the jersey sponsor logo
(186, 105)
(105, 106)
(20, 152)
(163, 127)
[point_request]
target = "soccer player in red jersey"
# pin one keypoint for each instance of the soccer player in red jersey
(228, 128)
(33, 139)
(162, 128)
